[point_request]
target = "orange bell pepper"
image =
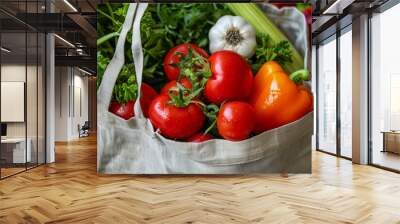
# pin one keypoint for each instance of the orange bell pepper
(278, 98)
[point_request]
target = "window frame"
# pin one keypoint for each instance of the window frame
(334, 37)
(381, 9)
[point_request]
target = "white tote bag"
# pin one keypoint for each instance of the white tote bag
(133, 147)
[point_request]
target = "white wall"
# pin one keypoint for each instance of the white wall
(79, 103)
(61, 103)
(81, 84)
(16, 73)
(70, 83)
(11, 73)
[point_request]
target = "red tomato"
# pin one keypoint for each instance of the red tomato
(232, 78)
(280, 5)
(172, 84)
(200, 137)
(175, 122)
(307, 10)
(308, 14)
(171, 58)
(126, 111)
(148, 94)
(235, 120)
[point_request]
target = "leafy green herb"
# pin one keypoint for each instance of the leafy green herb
(102, 63)
(125, 88)
(267, 51)
(163, 26)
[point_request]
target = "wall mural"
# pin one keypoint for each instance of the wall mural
(222, 88)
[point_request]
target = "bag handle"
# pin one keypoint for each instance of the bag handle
(137, 53)
(113, 69)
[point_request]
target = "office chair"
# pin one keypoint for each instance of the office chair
(84, 130)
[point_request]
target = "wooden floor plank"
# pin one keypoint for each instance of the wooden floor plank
(70, 191)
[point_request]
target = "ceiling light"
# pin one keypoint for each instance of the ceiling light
(329, 9)
(337, 7)
(84, 71)
(80, 51)
(70, 5)
(5, 50)
(65, 41)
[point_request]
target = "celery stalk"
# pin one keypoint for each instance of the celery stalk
(256, 17)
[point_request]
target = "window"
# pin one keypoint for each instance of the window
(327, 96)
(314, 91)
(385, 89)
(346, 93)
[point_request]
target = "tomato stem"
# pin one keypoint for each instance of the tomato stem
(211, 126)
(210, 111)
(179, 96)
(197, 69)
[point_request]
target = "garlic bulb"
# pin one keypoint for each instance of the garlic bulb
(233, 33)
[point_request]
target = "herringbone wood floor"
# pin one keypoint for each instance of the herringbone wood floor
(70, 191)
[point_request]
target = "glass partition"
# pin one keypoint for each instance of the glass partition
(346, 93)
(32, 97)
(385, 89)
(327, 96)
(22, 89)
(13, 94)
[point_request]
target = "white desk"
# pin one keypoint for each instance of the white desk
(17, 147)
